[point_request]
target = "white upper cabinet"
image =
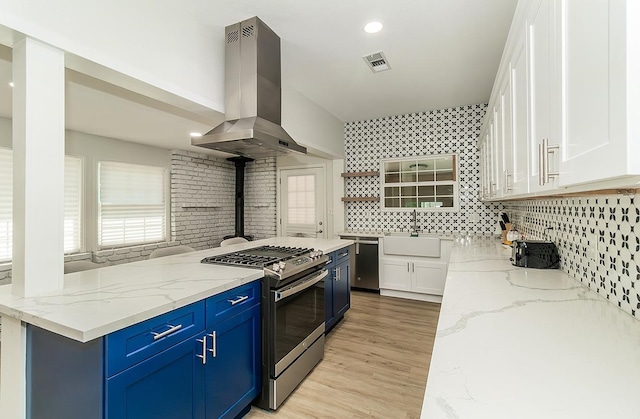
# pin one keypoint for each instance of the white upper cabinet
(595, 61)
(519, 176)
(542, 96)
(563, 112)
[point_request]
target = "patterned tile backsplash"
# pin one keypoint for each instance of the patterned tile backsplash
(453, 130)
(598, 237)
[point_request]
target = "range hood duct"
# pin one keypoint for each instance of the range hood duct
(240, 163)
(252, 95)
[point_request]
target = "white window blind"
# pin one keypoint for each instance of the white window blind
(132, 204)
(72, 204)
(6, 204)
(301, 208)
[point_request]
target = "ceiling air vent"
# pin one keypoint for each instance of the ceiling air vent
(377, 62)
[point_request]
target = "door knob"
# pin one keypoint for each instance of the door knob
(319, 231)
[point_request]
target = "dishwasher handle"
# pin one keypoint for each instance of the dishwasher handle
(365, 241)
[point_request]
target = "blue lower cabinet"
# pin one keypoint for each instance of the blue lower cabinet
(169, 385)
(342, 289)
(168, 367)
(233, 374)
(329, 315)
(337, 295)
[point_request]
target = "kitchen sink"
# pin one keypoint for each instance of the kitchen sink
(403, 244)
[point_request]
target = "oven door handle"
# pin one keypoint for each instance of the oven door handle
(279, 295)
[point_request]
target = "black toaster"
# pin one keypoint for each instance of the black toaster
(537, 254)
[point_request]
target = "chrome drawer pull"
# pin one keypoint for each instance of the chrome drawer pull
(204, 349)
(239, 300)
(214, 344)
(172, 329)
(341, 255)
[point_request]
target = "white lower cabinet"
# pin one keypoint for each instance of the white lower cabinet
(396, 275)
(413, 278)
(428, 277)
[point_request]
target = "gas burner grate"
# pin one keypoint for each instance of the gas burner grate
(257, 257)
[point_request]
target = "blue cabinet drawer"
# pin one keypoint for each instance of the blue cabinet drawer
(136, 343)
(226, 305)
(341, 255)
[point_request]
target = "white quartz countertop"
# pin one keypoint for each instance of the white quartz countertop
(100, 301)
(525, 343)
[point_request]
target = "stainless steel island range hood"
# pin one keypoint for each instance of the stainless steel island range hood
(252, 95)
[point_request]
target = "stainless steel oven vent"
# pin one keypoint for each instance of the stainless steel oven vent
(377, 62)
(252, 96)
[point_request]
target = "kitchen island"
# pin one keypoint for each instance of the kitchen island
(525, 343)
(92, 341)
(97, 302)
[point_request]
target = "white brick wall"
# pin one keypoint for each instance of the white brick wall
(202, 199)
(260, 198)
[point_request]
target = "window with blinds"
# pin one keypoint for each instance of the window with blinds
(6, 204)
(131, 204)
(72, 204)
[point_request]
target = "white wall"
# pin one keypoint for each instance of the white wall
(160, 43)
(156, 41)
(311, 125)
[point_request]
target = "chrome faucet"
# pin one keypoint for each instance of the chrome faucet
(414, 230)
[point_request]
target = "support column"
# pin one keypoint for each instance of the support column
(38, 168)
(38, 201)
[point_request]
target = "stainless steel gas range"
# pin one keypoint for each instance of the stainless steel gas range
(292, 314)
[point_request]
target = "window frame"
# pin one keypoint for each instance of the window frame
(166, 207)
(80, 203)
(454, 183)
(9, 239)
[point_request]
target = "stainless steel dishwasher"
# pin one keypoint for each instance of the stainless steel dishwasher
(365, 274)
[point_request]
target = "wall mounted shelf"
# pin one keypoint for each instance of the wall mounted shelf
(194, 205)
(354, 174)
(361, 199)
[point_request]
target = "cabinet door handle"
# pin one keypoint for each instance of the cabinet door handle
(214, 344)
(171, 330)
(540, 165)
(204, 349)
(408, 267)
(338, 273)
(544, 149)
(413, 267)
(506, 188)
(239, 300)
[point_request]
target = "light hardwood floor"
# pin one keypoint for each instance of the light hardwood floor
(375, 364)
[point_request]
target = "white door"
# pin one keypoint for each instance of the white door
(302, 203)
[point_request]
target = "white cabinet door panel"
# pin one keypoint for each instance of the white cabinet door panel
(429, 277)
(396, 275)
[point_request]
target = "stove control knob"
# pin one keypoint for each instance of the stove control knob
(318, 253)
(275, 267)
(282, 265)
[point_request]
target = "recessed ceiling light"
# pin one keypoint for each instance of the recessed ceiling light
(196, 134)
(10, 84)
(373, 27)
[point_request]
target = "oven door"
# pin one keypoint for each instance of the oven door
(298, 319)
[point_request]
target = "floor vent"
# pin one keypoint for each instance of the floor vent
(377, 62)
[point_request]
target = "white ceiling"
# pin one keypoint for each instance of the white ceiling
(443, 53)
